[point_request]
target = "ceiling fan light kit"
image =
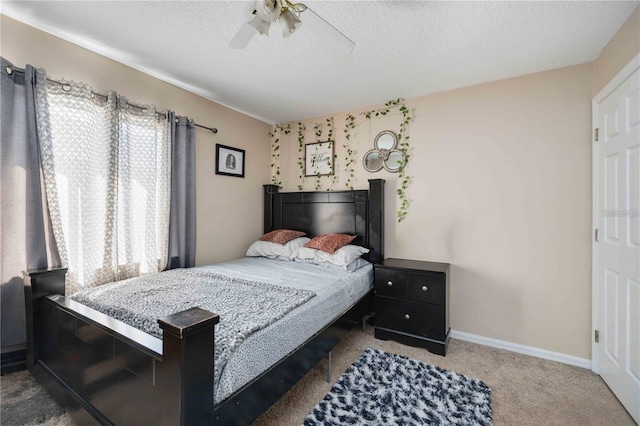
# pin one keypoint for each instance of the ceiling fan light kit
(291, 23)
(260, 25)
(269, 11)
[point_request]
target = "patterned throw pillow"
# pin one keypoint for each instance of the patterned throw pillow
(330, 242)
(282, 236)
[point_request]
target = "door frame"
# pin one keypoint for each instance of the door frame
(615, 82)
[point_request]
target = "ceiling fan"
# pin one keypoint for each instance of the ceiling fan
(290, 15)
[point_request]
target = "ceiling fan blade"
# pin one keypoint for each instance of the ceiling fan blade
(244, 35)
(330, 35)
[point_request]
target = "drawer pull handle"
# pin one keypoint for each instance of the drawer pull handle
(425, 288)
(406, 316)
(389, 283)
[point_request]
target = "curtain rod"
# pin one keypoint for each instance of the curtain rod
(212, 129)
(9, 70)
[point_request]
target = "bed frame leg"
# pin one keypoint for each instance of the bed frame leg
(364, 324)
(329, 367)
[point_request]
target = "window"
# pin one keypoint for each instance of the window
(106, 167)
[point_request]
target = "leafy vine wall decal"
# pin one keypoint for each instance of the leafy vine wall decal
(318, 132)
(276, 135)
(301, 129)
(391, 109)
(349, 163)
(403, 141)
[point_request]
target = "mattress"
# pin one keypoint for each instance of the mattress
(335, 289)
(332, 291)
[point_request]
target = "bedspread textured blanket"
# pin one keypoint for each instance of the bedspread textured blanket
(244, 306)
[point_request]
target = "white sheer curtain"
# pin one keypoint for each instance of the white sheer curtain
(106, 167)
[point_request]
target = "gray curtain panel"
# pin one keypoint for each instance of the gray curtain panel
(182, 221)
(22, 235)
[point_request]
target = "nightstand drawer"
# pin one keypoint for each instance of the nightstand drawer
(420, 319)
(426, 288)
(390, 282)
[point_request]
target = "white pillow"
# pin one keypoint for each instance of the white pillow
(355, 265)
(342, 257)
(275, 250)
(346, 255)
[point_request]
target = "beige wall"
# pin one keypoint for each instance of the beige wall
(229, 209)
(501, 188)
(623, 47)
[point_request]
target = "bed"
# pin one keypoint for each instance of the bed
(106, 370)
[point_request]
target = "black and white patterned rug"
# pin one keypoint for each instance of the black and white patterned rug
(383, 388)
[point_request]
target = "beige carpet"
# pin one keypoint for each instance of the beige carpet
(524, 390)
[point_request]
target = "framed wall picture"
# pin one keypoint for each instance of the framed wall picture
(229, 161)
(318, 159)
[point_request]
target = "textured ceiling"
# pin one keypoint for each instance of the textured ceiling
(403, 48)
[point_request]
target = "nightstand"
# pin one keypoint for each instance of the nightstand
(412, 303)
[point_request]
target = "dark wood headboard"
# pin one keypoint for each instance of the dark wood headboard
(357, 212)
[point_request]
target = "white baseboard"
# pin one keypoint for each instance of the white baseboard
(522, 349)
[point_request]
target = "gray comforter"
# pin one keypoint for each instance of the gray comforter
(244, 306)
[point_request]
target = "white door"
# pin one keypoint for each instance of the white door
(617, 259)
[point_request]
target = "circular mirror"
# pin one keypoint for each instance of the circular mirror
(385, 140)
(372, 161)
(394, 161)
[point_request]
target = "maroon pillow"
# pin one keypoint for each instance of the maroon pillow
(282, 236)
(330, 242)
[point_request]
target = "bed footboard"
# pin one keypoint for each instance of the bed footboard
(186, 372)
(117, 373)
